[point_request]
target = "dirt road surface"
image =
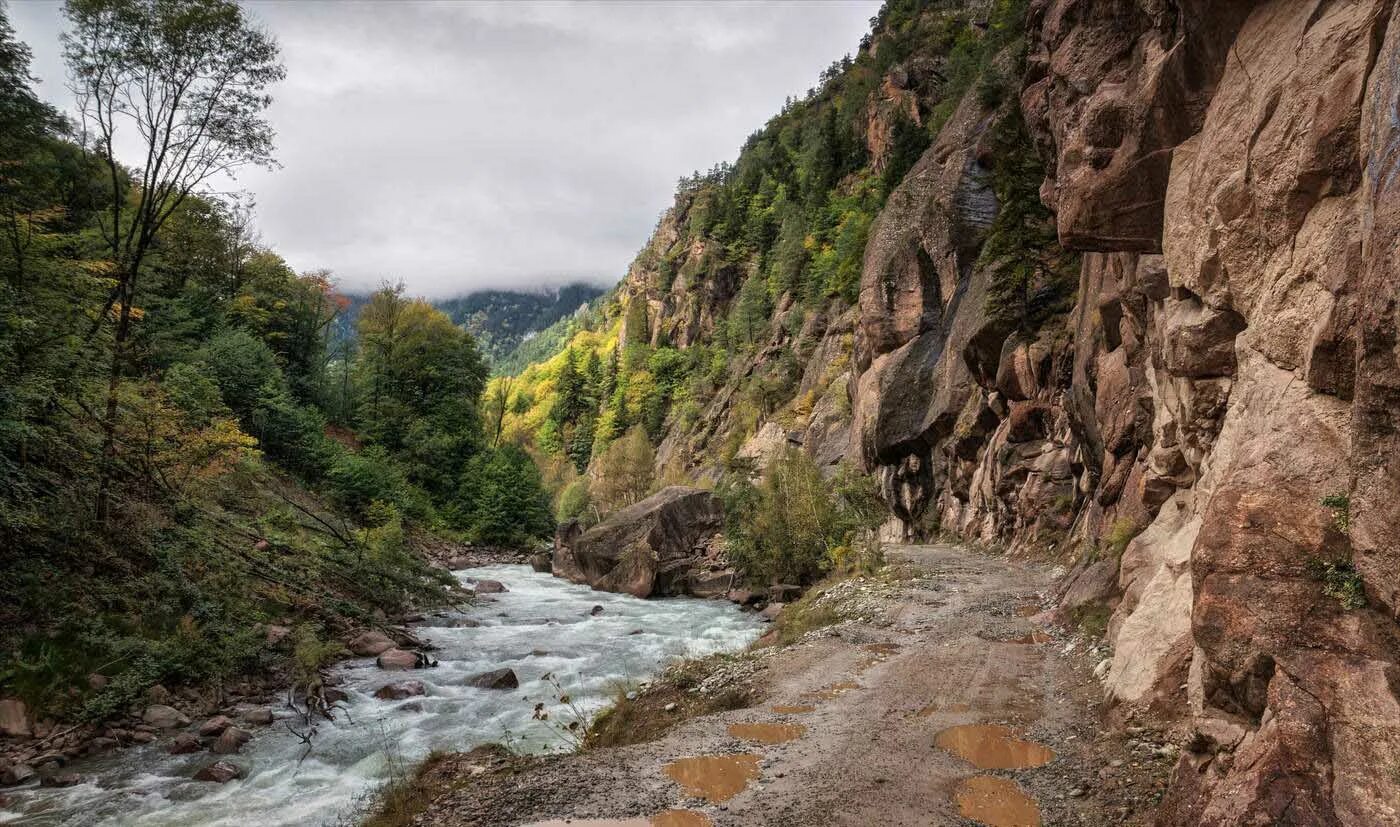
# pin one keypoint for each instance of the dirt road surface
(882, 702)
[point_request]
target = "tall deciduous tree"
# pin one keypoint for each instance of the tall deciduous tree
(186, 82)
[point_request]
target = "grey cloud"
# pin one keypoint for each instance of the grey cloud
(463, 145)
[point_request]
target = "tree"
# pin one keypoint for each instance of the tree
(189, 78)
(623, 474)
(504, 500)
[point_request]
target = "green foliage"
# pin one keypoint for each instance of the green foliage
(503, 500)
(1341, 511)
(575, 502)
(1119, 535)
(794, 525)
(1340, 581)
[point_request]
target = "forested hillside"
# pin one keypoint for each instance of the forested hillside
(502, 320)
(191, 460)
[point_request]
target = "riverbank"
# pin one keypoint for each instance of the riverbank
(922, 695)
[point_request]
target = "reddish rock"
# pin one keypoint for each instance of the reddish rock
(261, 716)
(162, 716)
(489, 587)
(230, 741)
(185, 743)
(495, 679)
(399, 690)
(219, 772)
(370, 643)
(215, 725)
(398, 659)
(62, 779)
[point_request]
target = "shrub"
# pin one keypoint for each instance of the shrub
(1340, 581)
(795, 525)
(357, 481)
(575, 502)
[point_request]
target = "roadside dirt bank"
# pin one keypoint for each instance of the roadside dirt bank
(876, 716)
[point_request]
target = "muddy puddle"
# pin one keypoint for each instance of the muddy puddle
(996, 802)
(668, 818)
(1028, 610)
(767, 733)
(836, 690)
(714, 778)
(793, 709)
(992, 747)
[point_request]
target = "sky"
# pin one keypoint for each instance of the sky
(465, 145)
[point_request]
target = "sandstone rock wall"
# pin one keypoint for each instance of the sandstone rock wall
(1228, 172)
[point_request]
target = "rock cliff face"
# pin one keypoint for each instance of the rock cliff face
(1212, 433)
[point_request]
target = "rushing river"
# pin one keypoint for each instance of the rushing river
(543, 625)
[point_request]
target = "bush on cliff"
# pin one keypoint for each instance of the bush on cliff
(795, 525)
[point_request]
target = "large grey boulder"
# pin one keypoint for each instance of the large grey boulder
(647, 549)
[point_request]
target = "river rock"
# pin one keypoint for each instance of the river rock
(399, 659)
(595, 611)
(261, 716)
(495, 679)
(14, 718)
(399, 690)
(62, 779)
(162, 716)
(540, 562)
(158, 694)
(370, 643)
(231, 741)
(219, 772)
(16, 774)
(331, 695)
(185, 743)
(215, 725)
(647, 549)
(489, 587)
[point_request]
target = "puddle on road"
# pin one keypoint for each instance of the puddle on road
(714, 778)
(1028, 610)
(767, 733)
(793, 709)
(996, 802)
(836, 690)
(992, 747)
(668, 818)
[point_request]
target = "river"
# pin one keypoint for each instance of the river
(542, 626)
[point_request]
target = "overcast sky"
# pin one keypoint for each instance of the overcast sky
(460, 145)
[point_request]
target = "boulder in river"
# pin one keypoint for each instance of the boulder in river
(185, 743)
(16, 774)
(219, 772)
(540, 562)
(595, 611)
(399, 690)
(647, 549)
(61, 779)
(370, 643)
(489, 587)
(214, 726)
(231, 741)
(161, 716)
(261, 716)
(399, 659)
(495, 679)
